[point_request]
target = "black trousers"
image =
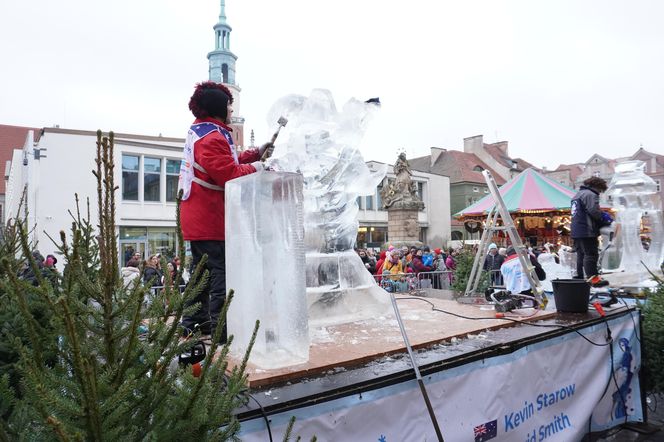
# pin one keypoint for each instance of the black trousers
(587, 254)
(213, 295)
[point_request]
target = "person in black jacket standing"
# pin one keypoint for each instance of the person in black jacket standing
(586, 222)
(492, 263)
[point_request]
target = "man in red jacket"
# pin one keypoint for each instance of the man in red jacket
(210, 160)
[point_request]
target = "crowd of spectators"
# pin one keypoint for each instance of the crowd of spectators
(397, 265)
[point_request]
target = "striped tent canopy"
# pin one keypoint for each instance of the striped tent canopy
(528, 192)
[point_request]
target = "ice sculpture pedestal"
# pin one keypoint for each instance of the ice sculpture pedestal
(264, 265)
(341, 290)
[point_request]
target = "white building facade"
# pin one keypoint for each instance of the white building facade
(60, 165)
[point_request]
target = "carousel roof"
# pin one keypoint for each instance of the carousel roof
(528, 191)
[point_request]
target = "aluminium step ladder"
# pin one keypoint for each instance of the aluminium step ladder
(499, 212)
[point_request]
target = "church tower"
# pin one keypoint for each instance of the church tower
(222, 70)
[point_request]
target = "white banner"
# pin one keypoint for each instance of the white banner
(547, 391)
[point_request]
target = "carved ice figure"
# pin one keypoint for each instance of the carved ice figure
(321, 143)
(634, 196)
(552, 269)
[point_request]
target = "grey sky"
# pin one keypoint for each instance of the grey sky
(560, 80)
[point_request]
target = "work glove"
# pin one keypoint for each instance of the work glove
(266, 150)
(259, 166)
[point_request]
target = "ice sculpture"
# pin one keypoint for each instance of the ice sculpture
(264, 265)
(321, 143)
(552, 269)
(640, 223)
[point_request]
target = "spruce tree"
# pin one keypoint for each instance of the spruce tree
(464, 264)
(653, 337)
(93, 360)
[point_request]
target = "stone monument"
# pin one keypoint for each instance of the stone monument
(402, 204)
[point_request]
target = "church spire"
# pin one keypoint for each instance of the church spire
(222, 14)
(222, 69)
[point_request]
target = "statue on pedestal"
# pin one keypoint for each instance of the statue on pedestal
(402, 193)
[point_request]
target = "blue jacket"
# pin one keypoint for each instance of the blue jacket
(586, 214)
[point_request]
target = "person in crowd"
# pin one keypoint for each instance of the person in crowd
(450, 263)
(372, 257)
(427, 256)
(379, 265)
(403, 253)
(151, 273)
(503, 252)
(392, 264)
(492, 264)
(587, 219)
(371, 267)
(418, 262)
(26, 272)
(438, 266)
(515, 277)
(50, 262)
(411, 254)
(210, 160)
(130, 272)
(129, 253)
(172, 271)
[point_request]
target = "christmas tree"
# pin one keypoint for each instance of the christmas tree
(85, 358)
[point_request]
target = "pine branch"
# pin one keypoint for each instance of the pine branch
(83, 373)
(14, 290)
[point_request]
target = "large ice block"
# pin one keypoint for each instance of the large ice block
(265, 265)
(639, 238)
(322, 144)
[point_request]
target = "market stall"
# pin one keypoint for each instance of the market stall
(539, 206)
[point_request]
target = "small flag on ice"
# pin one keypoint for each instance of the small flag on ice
(486, 431)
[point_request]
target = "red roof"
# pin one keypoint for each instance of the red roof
(12, 137)
(574, 170)
(457, 165)
(499, 151)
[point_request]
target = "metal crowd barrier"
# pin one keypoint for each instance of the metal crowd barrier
(415, 283)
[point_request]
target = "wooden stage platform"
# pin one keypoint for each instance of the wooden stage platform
(353, 344)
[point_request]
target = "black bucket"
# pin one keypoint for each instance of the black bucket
(571, 295)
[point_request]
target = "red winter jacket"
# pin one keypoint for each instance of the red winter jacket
(202, 214)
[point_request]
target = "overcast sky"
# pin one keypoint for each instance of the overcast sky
(560, 80)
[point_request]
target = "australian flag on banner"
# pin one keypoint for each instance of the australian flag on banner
(486, 431)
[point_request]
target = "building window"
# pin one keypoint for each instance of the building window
(476, 189)
(457, 236)
(596, 174)
(369, 204)
(486, 190)
(359, 202)
(151, 178)
(478, 169)
(162, 240)
(130, 168)
(224, 73)
(420, 190)
(172, 176)
(658, 185)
